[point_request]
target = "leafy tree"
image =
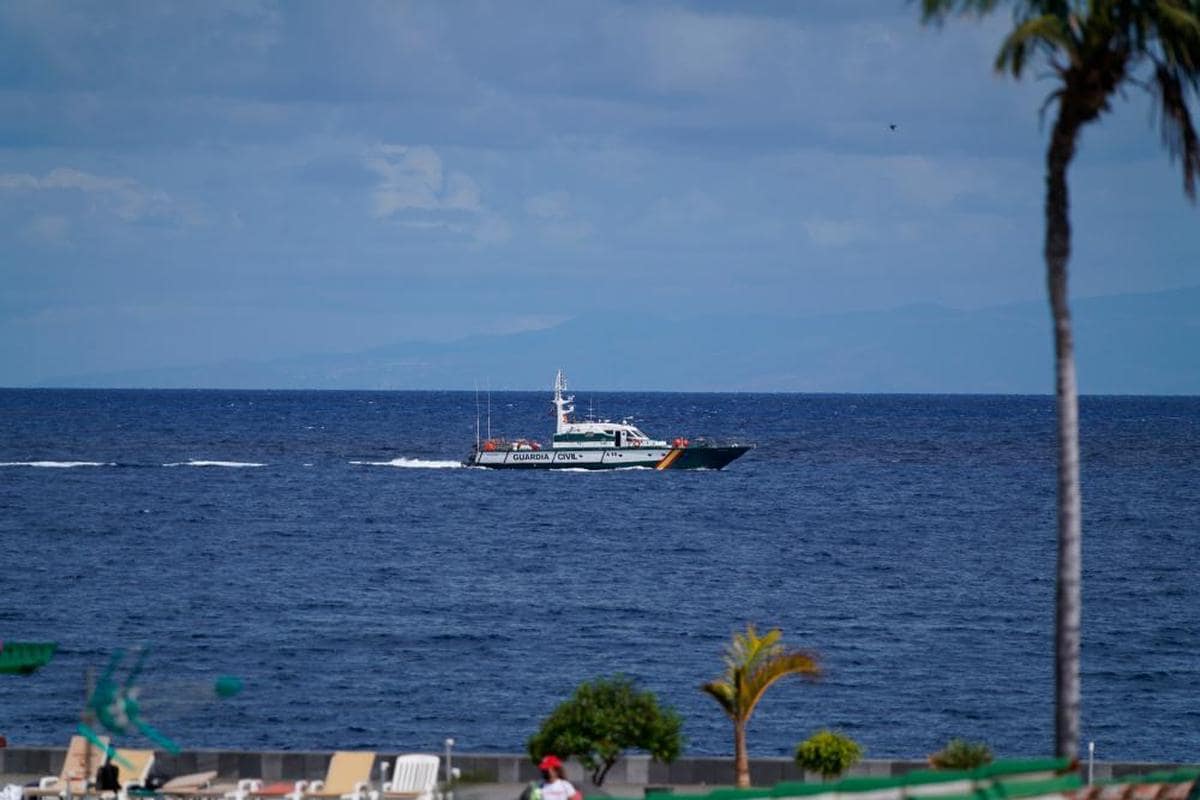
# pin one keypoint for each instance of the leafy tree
(828, 753)
(1094, 49)
(752, 664)
(604, 718)
(961, 754)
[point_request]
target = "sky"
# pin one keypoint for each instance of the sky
(184, 183)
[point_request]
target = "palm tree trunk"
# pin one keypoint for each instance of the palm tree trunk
(741, 759)
(1068, 602)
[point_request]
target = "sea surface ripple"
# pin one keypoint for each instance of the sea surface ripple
(324, 547)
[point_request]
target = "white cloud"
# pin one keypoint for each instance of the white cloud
(411, 178)
(125, 198)
(415, 190)
(487, 229)
(461, 193)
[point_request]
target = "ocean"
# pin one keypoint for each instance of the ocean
(326, 548)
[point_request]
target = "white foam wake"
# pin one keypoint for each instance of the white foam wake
(411, 463)
(57, 464)
(196, 463)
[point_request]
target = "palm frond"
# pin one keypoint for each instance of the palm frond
(1178, 130)
(752, 664)
(770, 672)
(724, 694)
(1179, 19)
(1048, 31)
(1178, 29)
(936, 11)
(762, 647)
(748, 648)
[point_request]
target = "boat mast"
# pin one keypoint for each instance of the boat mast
(564, 406)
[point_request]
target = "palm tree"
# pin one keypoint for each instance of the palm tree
(752, 664)
(1094, 49)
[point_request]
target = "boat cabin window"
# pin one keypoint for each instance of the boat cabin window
(618, 438)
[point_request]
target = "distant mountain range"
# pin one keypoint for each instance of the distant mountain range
(1126, 344)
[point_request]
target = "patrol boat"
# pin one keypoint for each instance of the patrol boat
(598, 444)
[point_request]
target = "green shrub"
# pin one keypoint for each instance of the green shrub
(961, 754)
(828, 753)
(602, 720)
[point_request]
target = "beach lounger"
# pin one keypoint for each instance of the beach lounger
(414, 778)
(188, 783)
(196, 784)
(133, 768)
(78, 769)
(348, 778)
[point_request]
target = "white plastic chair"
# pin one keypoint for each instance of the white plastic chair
(413, 778)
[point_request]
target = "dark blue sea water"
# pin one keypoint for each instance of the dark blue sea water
(367, 600)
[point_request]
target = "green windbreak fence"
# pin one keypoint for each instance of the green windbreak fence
(1014, 779)
(1177, 784)
(1181, 775)
(24, 658)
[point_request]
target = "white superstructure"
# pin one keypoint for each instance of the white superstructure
(572, 434)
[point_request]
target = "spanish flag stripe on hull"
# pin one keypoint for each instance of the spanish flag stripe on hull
(669, 459)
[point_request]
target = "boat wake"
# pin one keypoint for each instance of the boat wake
(411, 463)
(196, 463)
(57, 464)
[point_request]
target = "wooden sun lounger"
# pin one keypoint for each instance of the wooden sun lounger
(79, 766)
(348, 776)
(196, 784)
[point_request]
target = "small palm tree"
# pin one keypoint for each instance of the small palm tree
(1094, 49)
(752, 664)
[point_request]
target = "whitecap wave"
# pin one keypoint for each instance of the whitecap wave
(199, 463)
(57, 464)
(411, 463)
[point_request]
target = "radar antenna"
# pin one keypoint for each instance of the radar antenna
(564, 405)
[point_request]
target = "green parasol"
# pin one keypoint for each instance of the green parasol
(24, 658)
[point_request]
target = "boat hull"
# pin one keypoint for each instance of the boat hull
(715, 457)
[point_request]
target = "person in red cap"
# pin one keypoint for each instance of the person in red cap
(554, 784)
